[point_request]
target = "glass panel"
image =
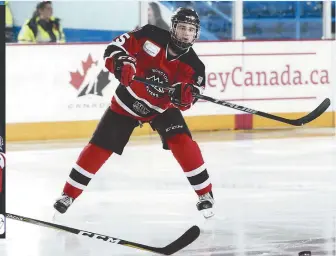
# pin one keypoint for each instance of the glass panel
(285, 19)
(101, 21)
(216, 17)
(82, 21)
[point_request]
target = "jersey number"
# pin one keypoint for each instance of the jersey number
(121, 39)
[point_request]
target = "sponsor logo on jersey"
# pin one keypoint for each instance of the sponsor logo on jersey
(151, 48)
(159, 76)
(140, 108)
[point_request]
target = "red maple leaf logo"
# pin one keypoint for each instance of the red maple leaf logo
(76, 77)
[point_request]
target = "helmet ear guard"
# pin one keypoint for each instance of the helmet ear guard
(188, 16)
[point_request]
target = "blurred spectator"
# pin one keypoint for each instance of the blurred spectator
(42, 27)
(155, 17)
(9, 35)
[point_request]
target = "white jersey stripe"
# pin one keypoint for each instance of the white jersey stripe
(111, 55)
(196, 171)
(202, 185)
(75, 184)
(160, 110)
(82, 171)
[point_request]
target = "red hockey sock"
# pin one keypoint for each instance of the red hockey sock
(189, 156)
(89, 162)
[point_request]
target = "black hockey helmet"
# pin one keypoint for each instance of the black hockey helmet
(188, 16)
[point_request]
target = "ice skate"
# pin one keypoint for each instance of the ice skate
(63, 203)
(205, 205)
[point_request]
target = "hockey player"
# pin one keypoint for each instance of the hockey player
(157, 55)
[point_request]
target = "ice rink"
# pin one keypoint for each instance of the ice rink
(275, 194)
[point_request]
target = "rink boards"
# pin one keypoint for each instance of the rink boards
(61, 91)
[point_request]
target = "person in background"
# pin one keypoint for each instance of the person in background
(9, 35)
(155, 17)
(42, 27)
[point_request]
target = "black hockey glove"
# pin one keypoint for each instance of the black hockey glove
(182, 97)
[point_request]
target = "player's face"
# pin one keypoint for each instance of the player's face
(185, 32)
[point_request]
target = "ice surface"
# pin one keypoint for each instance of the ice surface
(273, 197)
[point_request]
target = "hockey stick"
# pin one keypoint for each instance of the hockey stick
(187, 238)
(296, 122)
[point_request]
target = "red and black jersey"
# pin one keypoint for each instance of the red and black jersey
(149, 46)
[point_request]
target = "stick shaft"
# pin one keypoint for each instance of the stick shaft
(75, 231)
(297, 122)
(188, 237)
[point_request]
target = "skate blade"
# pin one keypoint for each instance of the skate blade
(208, 213)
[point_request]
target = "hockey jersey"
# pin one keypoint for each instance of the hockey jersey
(149, 46)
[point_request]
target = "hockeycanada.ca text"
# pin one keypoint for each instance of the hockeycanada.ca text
(281, 77)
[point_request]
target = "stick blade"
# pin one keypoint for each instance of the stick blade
(314, 114)
(183, 241)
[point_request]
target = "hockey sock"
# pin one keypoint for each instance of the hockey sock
(189, 156)
(88, 163)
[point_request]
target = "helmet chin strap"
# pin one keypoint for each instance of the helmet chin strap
(175, 48)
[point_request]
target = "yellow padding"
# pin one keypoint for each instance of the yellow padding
(84, 129)
(49, 130)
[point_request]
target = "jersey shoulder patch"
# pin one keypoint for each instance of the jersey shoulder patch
(151, 48)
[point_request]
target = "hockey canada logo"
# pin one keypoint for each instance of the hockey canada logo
(90, 79)
(156, 75)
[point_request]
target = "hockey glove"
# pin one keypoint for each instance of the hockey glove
(124, 68)
(182, 96)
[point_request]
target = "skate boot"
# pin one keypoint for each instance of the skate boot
(205, 205)
(63, 203)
